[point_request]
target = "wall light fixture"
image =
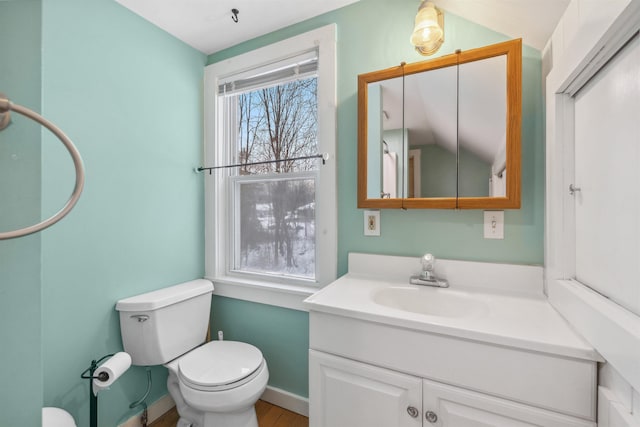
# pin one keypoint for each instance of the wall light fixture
(428, 32)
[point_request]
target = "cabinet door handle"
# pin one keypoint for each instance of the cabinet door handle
(431, 416)
(413, 411)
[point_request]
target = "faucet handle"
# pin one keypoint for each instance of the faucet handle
(428, 261)
(426, 277)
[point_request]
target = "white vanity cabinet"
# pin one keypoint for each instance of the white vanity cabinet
(346, 393)
(446, 358)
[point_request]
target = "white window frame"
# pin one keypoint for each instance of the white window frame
(282, 292)
(612, 330)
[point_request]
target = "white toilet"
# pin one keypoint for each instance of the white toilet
(215, 384)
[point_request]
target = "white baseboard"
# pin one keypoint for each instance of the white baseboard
(273, 395)
(286, 400)
(154, 411)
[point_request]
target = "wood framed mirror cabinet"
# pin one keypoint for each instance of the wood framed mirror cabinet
(443, 133)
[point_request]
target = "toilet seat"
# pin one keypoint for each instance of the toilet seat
(220, 365)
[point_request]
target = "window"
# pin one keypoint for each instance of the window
(273, 199)
(271, 221)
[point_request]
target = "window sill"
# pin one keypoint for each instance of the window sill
(276, 294)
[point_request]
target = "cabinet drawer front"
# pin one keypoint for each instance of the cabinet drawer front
(344, 393)
(456, 407)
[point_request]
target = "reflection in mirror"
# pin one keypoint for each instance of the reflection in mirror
(385, 146)
(412, 136)
(482, 128)
(430, 123)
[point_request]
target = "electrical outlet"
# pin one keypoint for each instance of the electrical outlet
(371, 223)
(494, 224)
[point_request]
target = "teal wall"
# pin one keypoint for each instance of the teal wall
(474, 175)
(281, 334)
(372, 35)
(20, 322)
(129, 96)
(437, 171)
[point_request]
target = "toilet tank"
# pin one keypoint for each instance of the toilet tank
(158, 326)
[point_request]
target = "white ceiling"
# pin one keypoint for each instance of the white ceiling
(207, 25)
(533, 21)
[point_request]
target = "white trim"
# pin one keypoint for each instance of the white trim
(613, 331)
(273, 395)
(612, 413)
(621, 31)
(154, 411)
(286, 400)
(560, 211)
(280, 295)
(216, 249)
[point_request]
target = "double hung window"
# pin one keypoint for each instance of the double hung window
(270, 209)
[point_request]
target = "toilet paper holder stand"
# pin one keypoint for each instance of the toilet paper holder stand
(93, 398)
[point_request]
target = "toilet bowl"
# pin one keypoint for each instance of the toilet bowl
(213, 384)
(56, 417)
(219, 383)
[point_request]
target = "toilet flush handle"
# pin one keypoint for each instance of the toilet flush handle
(140, 317)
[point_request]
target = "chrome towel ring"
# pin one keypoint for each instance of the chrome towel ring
(6, 107)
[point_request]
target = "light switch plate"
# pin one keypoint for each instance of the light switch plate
(371, 223)
(494, 224)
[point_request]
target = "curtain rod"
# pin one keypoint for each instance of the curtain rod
(324, 157)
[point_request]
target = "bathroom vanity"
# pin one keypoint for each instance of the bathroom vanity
(488, 351)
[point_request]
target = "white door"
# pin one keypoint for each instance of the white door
(345, 393)
(448, 406)
(607, 154)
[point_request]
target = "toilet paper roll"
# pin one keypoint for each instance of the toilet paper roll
(110, 371)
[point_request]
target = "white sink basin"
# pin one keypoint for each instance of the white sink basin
(430, 301)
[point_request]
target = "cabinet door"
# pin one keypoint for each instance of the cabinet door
(448, 406)
(344, 393)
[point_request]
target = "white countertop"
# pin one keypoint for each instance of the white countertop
(515, 317)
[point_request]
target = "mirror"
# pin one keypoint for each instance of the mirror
(443, 133)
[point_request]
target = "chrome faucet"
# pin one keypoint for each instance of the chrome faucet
(427, 277)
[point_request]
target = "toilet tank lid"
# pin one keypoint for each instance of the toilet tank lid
(165, 296)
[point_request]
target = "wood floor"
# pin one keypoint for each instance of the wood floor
(268, 416)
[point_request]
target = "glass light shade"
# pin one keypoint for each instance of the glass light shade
(428, 33)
